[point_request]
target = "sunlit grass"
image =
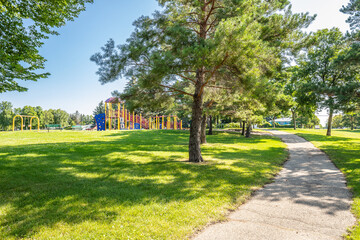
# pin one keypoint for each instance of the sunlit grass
(125, 185)
(343, 148)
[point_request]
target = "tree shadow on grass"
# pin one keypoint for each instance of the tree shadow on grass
(72, 182)
(182, 137)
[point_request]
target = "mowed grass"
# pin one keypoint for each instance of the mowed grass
(343, 148)
(125, 185)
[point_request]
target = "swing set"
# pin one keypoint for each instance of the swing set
(23, 120)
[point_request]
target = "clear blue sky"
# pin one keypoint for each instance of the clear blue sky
(73, 84)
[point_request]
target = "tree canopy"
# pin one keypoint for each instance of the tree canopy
(193, 46)
(353, 9)
(24, 24)
(322, 77)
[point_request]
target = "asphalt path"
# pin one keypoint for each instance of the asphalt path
(307, 200)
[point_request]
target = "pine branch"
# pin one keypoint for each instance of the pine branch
(176, 90)
(213, 73)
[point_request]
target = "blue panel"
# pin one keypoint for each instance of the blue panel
(100, 122)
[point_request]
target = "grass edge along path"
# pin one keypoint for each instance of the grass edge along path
(343, 148)
(126, 185)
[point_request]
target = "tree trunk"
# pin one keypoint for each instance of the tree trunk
(248, 130)
(203, 130)
(196, 116)
(197, 108)
(210, 126)
(273, 122)
(294, 118)
(352, 122)
(243, 128)
(329, 123)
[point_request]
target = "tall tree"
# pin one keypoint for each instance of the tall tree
(6, 115)
(40, 114)
(304, 103)
(203, 44)
(76, 117)
(61, 117)
(24, 24)
(323, 76)
(48, 117)
(351, 119)
(100, 108)
(338, 121)
(352, 56)
(86, 119)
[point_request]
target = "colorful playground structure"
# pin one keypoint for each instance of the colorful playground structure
(30, 118)
(117, 117)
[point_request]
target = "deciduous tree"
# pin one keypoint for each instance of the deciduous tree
(24, 24)
(324, 77)
(6, 115)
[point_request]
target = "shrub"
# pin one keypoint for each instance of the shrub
(232, 125)
(266, 125)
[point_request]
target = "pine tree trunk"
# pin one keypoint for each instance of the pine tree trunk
(203, 129)
(243, 128)
(329, 123)
(294, 118)
(302, 123)
(248, 130)
(210, 126)
(196, 117)
(273, 122)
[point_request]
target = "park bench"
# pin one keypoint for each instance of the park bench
(53, 127)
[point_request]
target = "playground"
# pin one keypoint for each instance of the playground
(117, 117)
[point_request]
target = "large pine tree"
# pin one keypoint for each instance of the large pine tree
(192, 46)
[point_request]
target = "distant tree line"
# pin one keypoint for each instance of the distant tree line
(50, 116)
(350, 120)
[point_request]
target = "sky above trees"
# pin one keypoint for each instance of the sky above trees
(73, 84)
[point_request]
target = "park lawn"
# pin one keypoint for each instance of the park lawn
(125, 184)
(343, 148)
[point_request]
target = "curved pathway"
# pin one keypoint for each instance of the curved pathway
(307, 200)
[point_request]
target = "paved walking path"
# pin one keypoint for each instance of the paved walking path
(308, 200)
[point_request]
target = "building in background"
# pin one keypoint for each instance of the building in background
(283, 121)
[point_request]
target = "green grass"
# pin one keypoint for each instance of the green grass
(343, 148)
(125, 185)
